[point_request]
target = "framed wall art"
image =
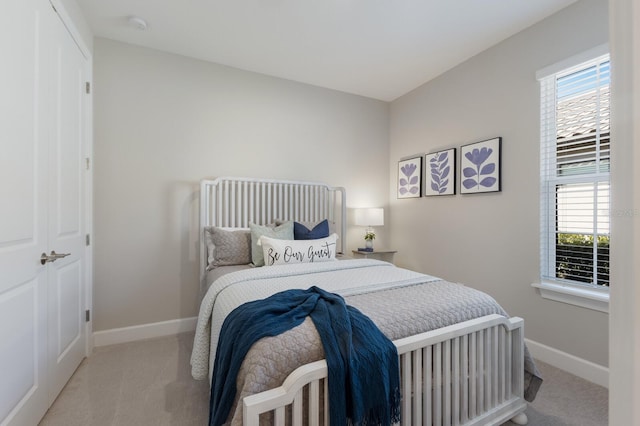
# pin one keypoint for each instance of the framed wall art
(440, 173)
(480, 167)
(410, 178)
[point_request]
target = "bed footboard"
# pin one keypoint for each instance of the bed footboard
(469, 373)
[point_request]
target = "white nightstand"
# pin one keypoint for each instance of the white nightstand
(386, 255)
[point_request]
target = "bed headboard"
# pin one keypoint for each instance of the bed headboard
(234, 202)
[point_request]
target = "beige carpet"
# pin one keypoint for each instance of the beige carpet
(149, 383)
(140, 383)
(567, 400)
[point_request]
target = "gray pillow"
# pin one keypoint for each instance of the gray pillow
(282, 232)
(231, 247)
(208, 241)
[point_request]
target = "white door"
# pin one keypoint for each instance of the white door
(23, 222)
(66, 282)
(39, 335)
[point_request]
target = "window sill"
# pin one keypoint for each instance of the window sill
(574, 295)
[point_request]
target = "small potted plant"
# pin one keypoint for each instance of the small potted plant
(369, 236)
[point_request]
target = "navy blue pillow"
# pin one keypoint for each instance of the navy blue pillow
(301, 232)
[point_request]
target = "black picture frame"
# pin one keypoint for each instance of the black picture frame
(481, 167)
(409, 183)
(440, 173)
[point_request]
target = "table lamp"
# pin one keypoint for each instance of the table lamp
(369, 217)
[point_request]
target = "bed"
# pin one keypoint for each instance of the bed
(462, 359)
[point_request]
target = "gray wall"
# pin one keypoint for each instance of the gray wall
(163, 122)
(491, 241)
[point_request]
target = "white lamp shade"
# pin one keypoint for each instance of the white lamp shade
(369, 217)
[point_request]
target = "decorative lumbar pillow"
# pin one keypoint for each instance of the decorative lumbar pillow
(231, 247)
(282, 232)
(302, 232)
(282, 252)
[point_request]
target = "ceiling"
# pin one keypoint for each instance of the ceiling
(381, 49)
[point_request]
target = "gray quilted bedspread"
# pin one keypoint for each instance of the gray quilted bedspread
(415, 304)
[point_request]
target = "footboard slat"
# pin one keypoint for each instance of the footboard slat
(326, 402)
(417, 387)
(297, 409)
(405, 367)
(473, 377)
(437, 391)
(482, 371)
(463, 375)
(428, 386)
(494, 367)
(508, 371)
(501, 366)
(464, 364)
(279, 417)
(314, 403)
(455, 393)
(487, 369)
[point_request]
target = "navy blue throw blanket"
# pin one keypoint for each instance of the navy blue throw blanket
(363, 372)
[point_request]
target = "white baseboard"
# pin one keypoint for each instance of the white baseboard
(570, 363)
(577, 366)
(144, 331)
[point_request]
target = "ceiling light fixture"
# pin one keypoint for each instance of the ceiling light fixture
(137, 22)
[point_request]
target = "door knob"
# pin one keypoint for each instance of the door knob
(44, 258)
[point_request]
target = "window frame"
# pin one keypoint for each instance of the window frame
(573, 292)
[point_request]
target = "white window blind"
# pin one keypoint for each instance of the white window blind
(575, 165)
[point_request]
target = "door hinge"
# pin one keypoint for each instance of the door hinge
(87, 315)
(88, 163)
(87, 240)
(87, 87)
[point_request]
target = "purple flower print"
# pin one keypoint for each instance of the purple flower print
(474, 176)
(409, 183)
(408, 169)
(479, 156)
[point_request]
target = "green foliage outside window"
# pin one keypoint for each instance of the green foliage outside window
(574, 258)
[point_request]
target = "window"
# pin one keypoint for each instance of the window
(575, 166)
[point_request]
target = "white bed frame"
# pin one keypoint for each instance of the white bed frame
(471, 373)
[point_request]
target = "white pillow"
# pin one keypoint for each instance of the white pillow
(283, 252)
